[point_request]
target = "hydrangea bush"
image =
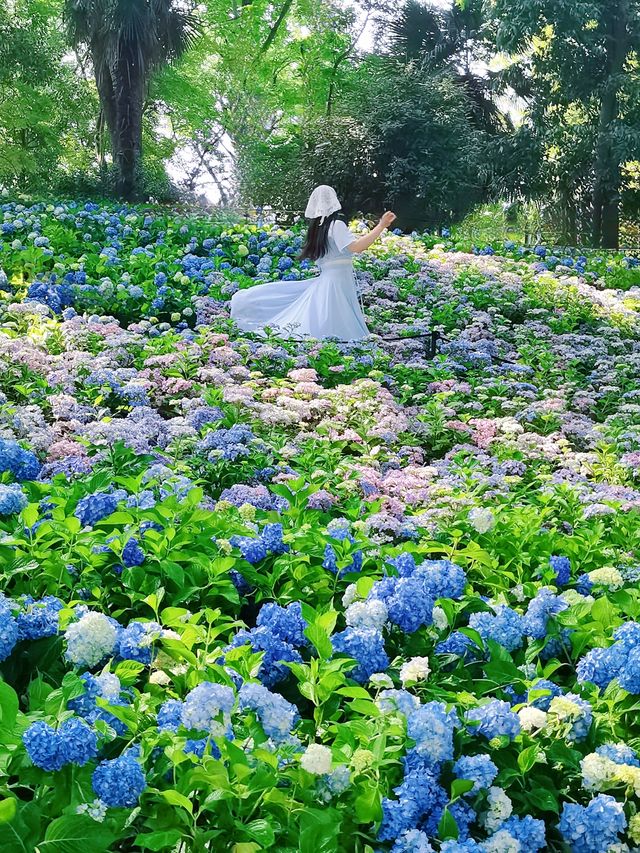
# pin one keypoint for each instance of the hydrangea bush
(267, 595)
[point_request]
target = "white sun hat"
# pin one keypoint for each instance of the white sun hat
(323, 201)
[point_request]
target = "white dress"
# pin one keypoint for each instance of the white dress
(322, 307)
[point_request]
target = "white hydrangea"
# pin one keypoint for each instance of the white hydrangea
(500, 808)
(367, 614)
(316, 759)
(531, 718)
(415, 669)
(502, 842)
(440, 620)
(598, 771)
(90, 639)
(607, 576)
(482, 519)
(350, 595)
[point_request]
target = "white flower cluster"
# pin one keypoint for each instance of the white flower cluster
(500, 808)
(90, 639)
(316, 759)
(415, 669)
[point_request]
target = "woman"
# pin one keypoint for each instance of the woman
(323, 307)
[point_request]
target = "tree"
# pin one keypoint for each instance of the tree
(126, 41)
(581, 59)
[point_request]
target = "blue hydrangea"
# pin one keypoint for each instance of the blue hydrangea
(431, 726)
(601, 666)
(562, 568)
(253, 550)
(504, 626)
(203, 415)
(229, 444)
(529, 831)
(12, 499)
(592, 828)
(277, 716)
(478, 769)
(409, 605)
(93, 508)
(285, 622)
(398, 700)
(493, 719)
(442, 578)
(629, 675)
(420, 801)
(23, 464)
(271, 535)
(132, 554)
(38, 618)
(277, 653)
(135, 642)
(457, 644)
(540, 609)
(366, 647)
(412, 841)
(9, 631)
(170, 715)
(619, 753)
(207, 708)
(584, 584)
(74, 743)
(119, 782)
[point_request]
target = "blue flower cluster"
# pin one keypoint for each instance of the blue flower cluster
(540, 610)
(431, 726)
(8, 628)
(277, 653)
(119, 782)
(277, 716)
(592, 828)
(93, 508)
(23, 464)
(621, 661)
(205, 705)
(527, 830)
(74, 743)
(366, 647)
(562, 569)
(503, 626)
(493, 719)
(12, 499)
(478, 769)
(228, 444)
(286, 623)
(38, 618)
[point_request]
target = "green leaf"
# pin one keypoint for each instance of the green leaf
(177, 799)
(319, 830)
(447, 827)
(166, 838)
(128, 671)
(261, 831)
(543, 799)
(527, 758)
(8, 706)
(75, 834)
(368, 804)
(460, 787)
(320, 640)
(7, 809)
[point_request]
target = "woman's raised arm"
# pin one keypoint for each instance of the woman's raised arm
(363, 243)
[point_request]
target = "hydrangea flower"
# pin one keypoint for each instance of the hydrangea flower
(38, 618)
(277, 653)
(431, 726)
(204, 705)
(316, 759)
(366, 647)
(286, 623)
(12, 499)
(21, 463)
(73, 743)
(478, 769)
(562, 569)
(504, 626)
(93, 508)
(135, 642)
(277, 716)
(493, 719)
(91, 639)
(119, 782)
(9, 630)
(594, 827)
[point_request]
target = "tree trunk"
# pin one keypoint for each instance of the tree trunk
(129, 96)
(106, 93)
(606, 192)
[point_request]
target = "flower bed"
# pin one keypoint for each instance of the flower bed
(261, 595)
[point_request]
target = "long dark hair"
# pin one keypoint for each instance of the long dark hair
(317, 242)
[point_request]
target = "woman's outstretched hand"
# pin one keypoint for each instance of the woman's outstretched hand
(387, 219)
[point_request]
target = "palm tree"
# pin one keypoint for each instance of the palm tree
(450, 40)
(127, 40)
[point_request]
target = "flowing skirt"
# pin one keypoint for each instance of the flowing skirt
(323, 307)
